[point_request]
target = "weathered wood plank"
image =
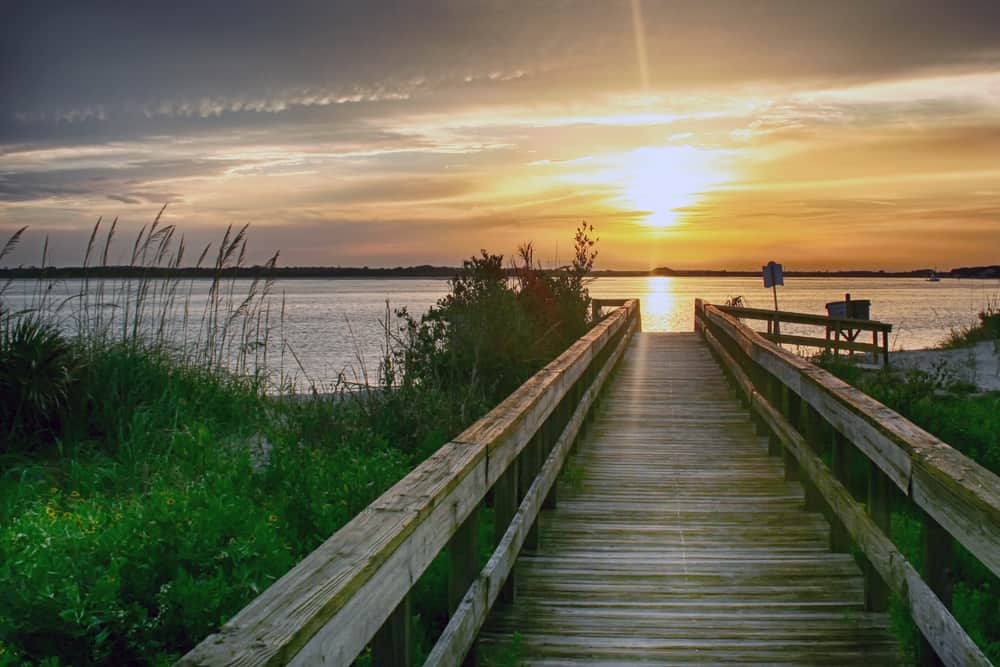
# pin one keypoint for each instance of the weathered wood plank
(330, 605)
(805, 318)
(680, 542)
(951, 643)
(957, 492)
(454, 643)
(811, 341)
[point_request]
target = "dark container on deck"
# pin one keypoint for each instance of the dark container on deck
(858, 310)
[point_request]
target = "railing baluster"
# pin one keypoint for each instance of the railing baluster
(876, 591)
(393, 643)
(814, 436)
(530, 462)
(792, 406)
(463, 556)
(937, 548)
(550, 433)
(505, 502)
(839, 540)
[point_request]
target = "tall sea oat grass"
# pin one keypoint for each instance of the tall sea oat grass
(153, 306)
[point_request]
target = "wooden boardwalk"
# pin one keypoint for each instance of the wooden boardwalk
(676, 539)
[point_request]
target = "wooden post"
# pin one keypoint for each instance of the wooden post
(840, 541)
(791, 404)
(885, 347)
(505, 505)
(392, 645)
(529, 462)
(937, 574)
(875, 347)
(550, 435)
(876, 591)
(813, 434)
(759, 378)
(463, 556)
(775, 396)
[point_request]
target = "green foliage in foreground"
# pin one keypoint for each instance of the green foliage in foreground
(136, 539)
(145, 500)
(987, 329)
(971, 424)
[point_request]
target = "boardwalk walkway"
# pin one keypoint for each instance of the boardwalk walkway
(676, 539)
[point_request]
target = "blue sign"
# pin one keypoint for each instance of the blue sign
(773, 274)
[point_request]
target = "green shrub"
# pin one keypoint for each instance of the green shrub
(170, 491)
(38, 371)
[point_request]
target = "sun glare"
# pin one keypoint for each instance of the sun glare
(661, 183)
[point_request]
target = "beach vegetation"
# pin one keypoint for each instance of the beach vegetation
(155, 475)
(969, 421)
(985, 329)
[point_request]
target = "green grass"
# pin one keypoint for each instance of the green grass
(138, 538)
(149, 489)
(986, 329)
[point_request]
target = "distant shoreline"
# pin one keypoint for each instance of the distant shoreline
(427, 271)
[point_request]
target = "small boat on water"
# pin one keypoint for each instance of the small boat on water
(933, 278)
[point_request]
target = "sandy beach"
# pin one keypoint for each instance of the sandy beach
(978, 364)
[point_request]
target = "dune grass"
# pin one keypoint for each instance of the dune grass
(152, 479)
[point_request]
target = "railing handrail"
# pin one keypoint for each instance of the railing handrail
(960, 495)
(332, 603)
(792, 317)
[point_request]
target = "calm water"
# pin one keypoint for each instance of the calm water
(335, 326)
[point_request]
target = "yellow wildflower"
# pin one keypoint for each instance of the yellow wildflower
(75, 494)
(51, 511)
(273, 518)
(171, 501)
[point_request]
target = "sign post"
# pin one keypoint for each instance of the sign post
(774, 275)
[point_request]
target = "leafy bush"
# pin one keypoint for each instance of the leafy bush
(496, 327)
(173, 491)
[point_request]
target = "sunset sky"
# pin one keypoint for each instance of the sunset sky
(691, 134)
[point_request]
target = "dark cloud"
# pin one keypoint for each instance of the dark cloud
(175, 65)
(128, 184)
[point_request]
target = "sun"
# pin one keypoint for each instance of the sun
(660, 183)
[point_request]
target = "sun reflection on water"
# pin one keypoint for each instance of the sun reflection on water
(658, 303)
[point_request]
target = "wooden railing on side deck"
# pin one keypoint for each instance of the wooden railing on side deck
(835, 337)
(355, 589)
(808, 412)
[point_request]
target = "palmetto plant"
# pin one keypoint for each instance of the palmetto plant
(38, 368)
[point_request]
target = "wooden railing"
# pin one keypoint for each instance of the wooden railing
(808, 413)
(355, 589)
(840, 333)
(597, 306)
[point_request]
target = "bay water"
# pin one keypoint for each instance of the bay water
(335, 327)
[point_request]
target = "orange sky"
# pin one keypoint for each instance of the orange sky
(690, 134)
